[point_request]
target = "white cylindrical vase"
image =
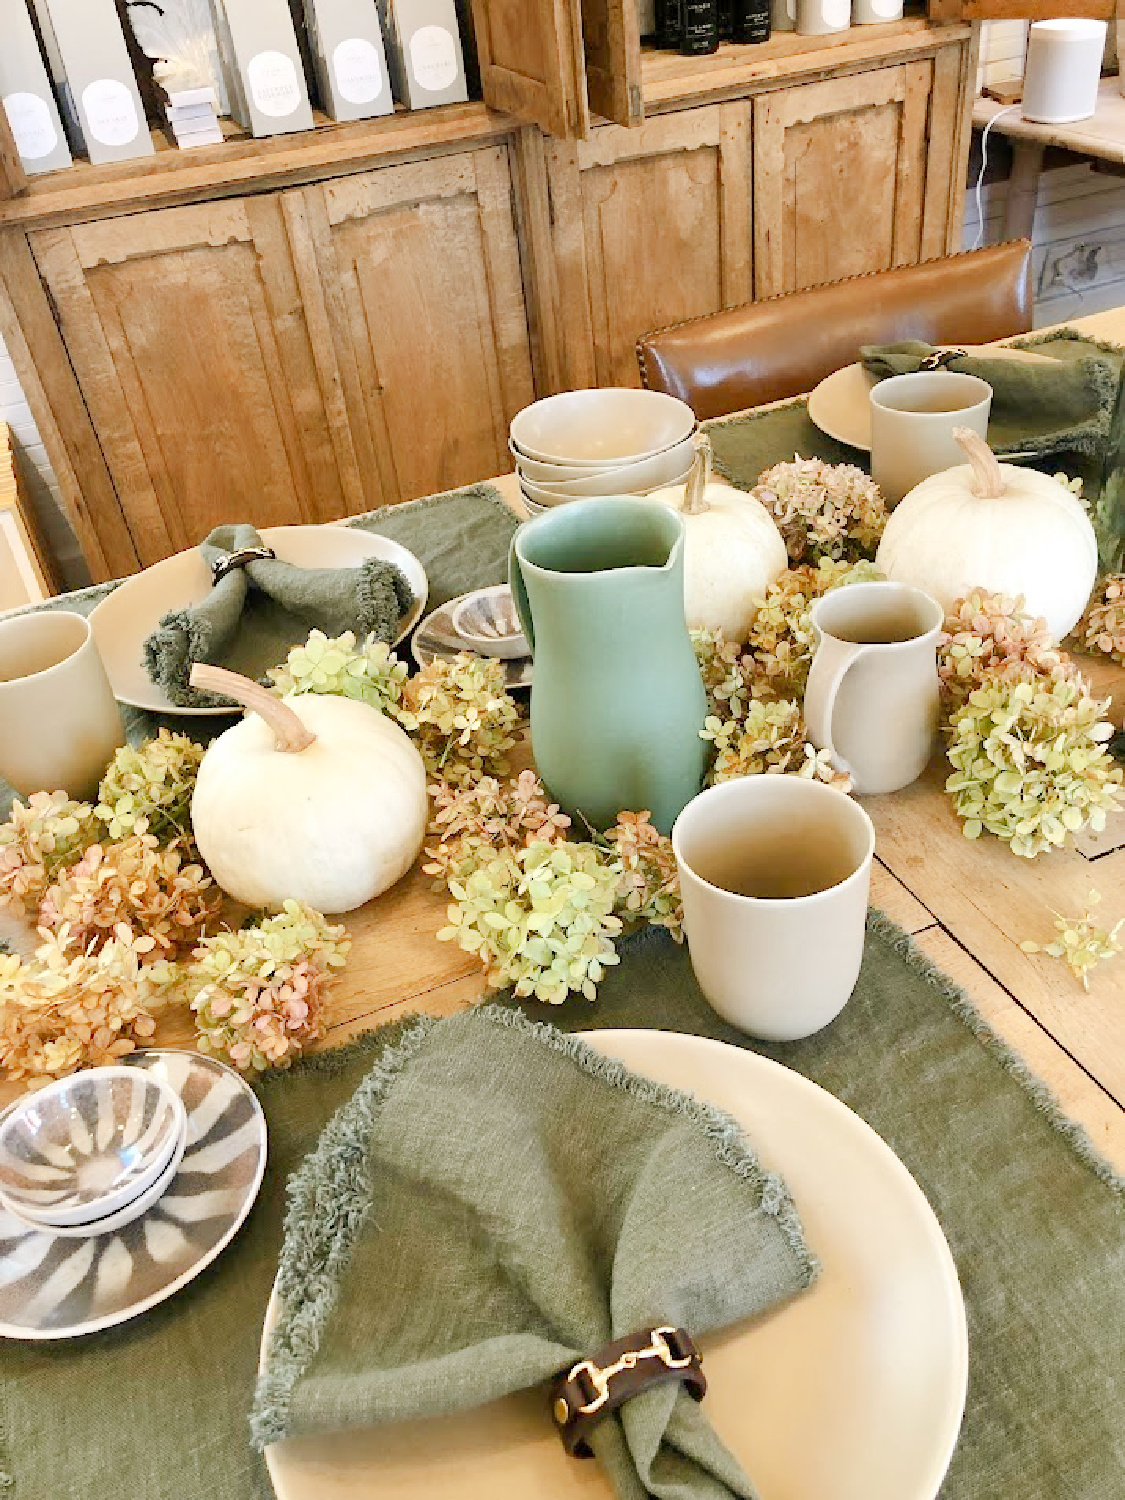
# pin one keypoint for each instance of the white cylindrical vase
(818, 17)
(1063, 69)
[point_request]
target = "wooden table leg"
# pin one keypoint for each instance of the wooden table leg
(1023, 189)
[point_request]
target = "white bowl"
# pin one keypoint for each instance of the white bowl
(601, 426)
(487, 622)
(625, 479)
(88, 1146)
(545, 495)
(108, 1223)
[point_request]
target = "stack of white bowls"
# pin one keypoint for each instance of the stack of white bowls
(609, 441)
(91, 1153)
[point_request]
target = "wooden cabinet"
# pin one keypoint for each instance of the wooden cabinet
(302, 328)
(849, 177)
(651, 226)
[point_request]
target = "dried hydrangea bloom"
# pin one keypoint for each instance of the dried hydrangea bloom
(991, 635)
(258, 994)
(63, 1010)
(648, 887)
(135, 883)
(823, 510)
(781, 640)
(461, 717)
(473, 822)
(149, 790)
(335, 665)
(727, 672)
(1030, 763)
(1080, 941)
(1102, 628)
(540, 919)
(40, 837)
(771, 739)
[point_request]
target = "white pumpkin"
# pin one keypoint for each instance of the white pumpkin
(733, 550)
(318, 799)
(1000, 527)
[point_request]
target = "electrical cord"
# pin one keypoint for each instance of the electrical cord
(999, 115)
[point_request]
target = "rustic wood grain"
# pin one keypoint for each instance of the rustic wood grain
(1015, 10)
(612, 40)
(13, 178)
(528, 66)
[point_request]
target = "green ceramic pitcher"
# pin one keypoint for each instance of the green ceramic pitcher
(617, 701)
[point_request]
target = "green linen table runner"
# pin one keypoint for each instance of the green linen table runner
(521, 1201)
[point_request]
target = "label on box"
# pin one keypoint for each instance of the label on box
(359, 76)
(433, 58)
(111, 115)
(32, 127)
(273, 84)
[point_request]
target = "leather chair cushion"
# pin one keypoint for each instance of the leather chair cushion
(765, 351)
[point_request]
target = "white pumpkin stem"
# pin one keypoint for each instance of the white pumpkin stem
(291, 733)
(987, 474)
(699, 478)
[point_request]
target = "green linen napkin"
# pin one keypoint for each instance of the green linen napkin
(1037, 408)
(290, 601)
(499, 1200)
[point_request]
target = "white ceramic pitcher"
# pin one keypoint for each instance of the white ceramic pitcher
(872, 699)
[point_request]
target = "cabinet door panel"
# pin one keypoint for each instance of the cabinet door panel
(839, 171)
(612, 35)
(532, 62)
(422, 278)
(665, 233)
(186, 333)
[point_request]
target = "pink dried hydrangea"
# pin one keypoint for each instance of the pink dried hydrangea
(992, 636)
(40, 837)
(473, 822)
(135, 883)
(1101, 630)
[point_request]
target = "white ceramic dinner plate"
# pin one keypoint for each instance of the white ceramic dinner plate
(125, 619)
(853, 1391)
(55, 1288)
(840, 405)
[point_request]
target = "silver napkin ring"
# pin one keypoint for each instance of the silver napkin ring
(941, 357)
(228, 561)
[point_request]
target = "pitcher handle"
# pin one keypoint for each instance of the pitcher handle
(519, 594)
(830, 666)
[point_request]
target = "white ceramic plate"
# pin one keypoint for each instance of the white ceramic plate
(853, 1391)
(125, 619)
(54, 1288)
(840, 404)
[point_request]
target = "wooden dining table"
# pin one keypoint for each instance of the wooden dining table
(969, 905)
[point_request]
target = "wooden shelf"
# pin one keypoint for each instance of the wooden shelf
(670, 81)
(243, 164)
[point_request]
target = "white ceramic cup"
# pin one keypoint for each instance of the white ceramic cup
(912, 422)
(872, 697)
(817, 17)
(775, 872)
(59, 720)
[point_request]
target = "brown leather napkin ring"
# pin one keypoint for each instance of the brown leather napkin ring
(594, 1387)
(231, 560)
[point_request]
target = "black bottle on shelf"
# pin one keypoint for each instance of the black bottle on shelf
(751, 20)
(727, 9)
(669, 23)
(701, 27)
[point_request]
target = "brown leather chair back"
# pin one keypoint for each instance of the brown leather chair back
(765, 351)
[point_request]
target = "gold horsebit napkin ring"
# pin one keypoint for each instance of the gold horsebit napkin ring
(228, 561)
(587, 1393)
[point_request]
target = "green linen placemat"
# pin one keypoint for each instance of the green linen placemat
(745, 445)
(461, 538)
(158, 1408)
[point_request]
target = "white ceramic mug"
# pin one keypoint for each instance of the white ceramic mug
(872, 699)
(59, 720)
(775, 873)
(912, 422)
(818, 17)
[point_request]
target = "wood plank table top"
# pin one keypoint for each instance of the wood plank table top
(1102, 135)
(968, 904)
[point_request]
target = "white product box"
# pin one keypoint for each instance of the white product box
(264, 64)
(424, 52)
(25, 91)
(87, 37)
(350, 60)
